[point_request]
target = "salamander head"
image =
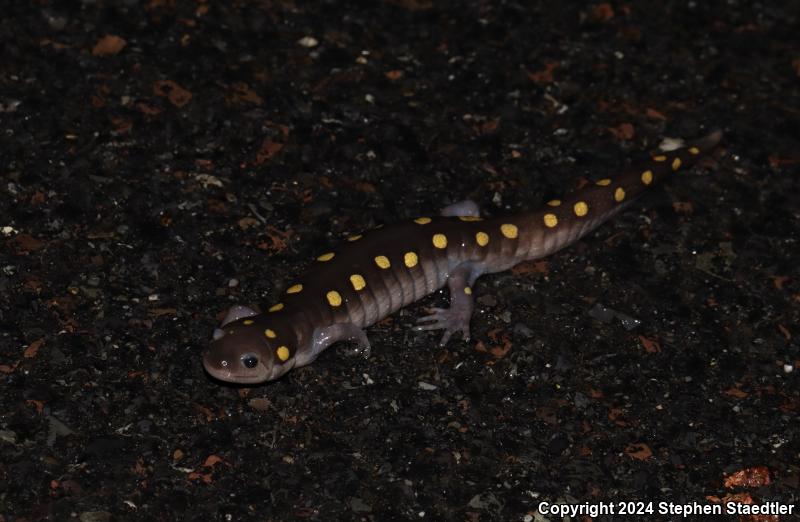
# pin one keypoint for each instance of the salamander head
(246, 351)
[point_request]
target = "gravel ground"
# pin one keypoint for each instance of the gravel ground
(162, 160)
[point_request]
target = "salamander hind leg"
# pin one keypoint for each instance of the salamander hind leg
(466, 208)
(456, 318)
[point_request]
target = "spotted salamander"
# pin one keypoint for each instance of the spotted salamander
(373, 275)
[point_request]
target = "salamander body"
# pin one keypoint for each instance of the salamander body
(375, 274)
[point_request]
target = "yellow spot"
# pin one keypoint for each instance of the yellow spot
(294, 289)
(334, 298)
(440, 241)
(468, 290)
(581, 208)
(619, 194)
(270, 333)
(410, 259)
(676, 164)
(282, 352)
(354, 238)
(422, 220)
(647, 177)
(276, 307)
(382, 262)
(660, 158)
(508, 230)
(604, 182)
(469, 218)
(482, 238)
(554, 202)
(358, 282)
(247, 322)
(694, 151)
(326, 257)
(550, 220)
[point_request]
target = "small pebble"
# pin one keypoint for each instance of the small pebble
(308, 42)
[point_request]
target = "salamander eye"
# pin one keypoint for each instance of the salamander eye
(250, 360)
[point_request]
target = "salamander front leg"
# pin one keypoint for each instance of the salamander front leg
(234, 314)
(456, 318)
(324, 337)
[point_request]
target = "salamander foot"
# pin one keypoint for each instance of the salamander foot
(451, 320)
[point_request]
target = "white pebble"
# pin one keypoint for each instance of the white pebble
(308, 41)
